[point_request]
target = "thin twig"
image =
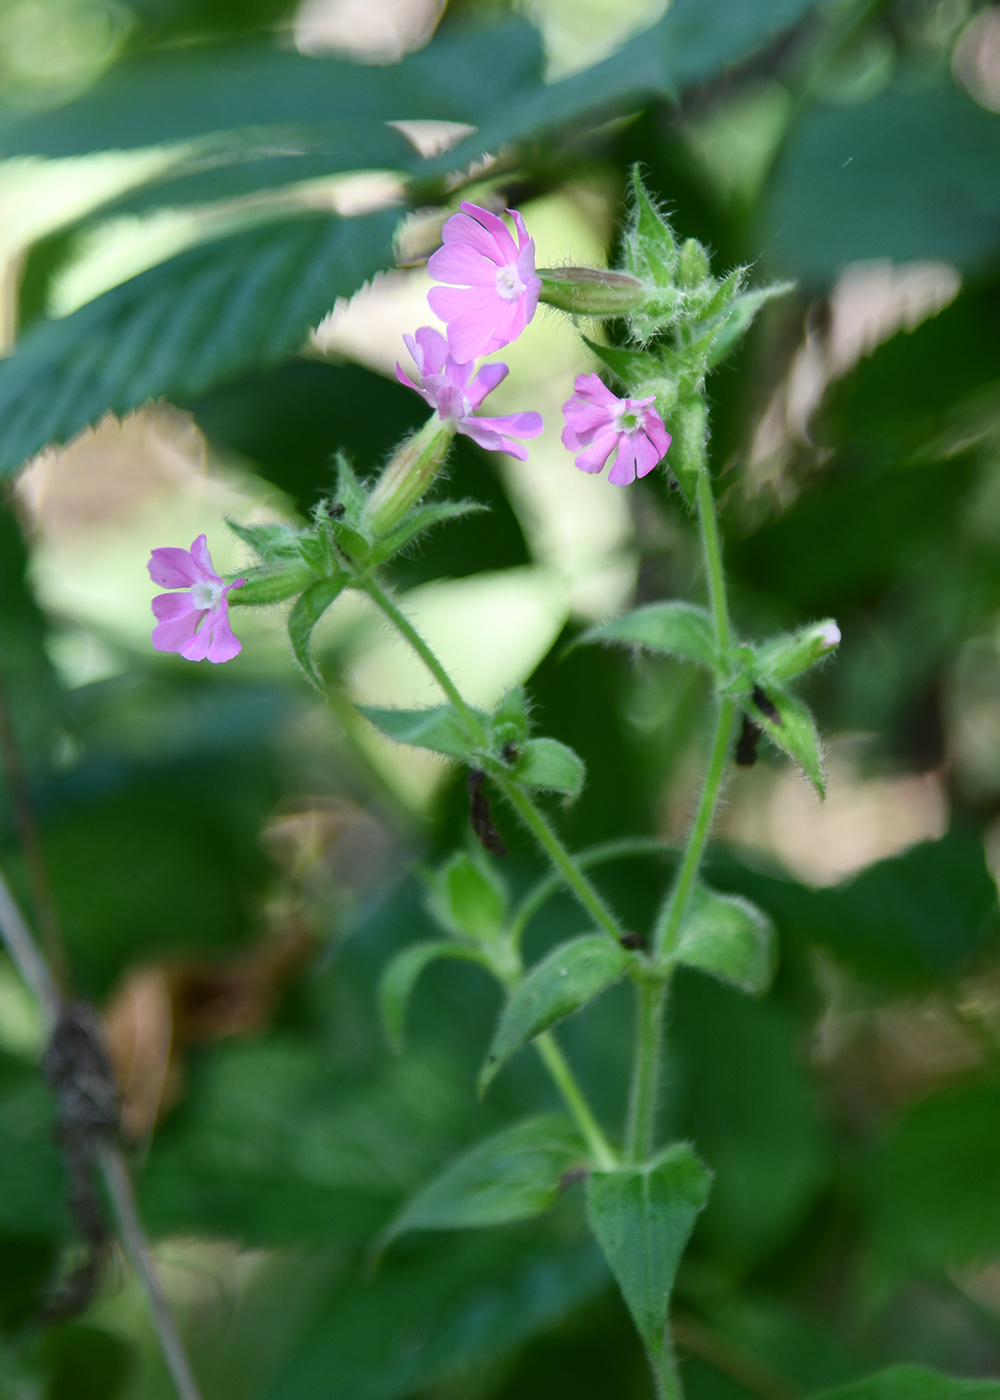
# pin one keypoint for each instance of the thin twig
(25, 954)
(46, 914)
(122, 1196)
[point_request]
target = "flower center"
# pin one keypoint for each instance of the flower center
(509, 285)
(626, 421)
(206, 595)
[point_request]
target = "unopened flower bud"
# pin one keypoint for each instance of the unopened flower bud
(692, 268)
(591, 291)
(409, 475)
(785, 657)
(264, 586)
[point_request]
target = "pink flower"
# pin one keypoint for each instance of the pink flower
(494, 290)
(599, 423)
(195, 622)
(453, 390)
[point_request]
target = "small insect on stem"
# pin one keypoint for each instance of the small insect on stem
(746, 746)
(336, 510)
(766, 706)
(634, 942)
(481, 814)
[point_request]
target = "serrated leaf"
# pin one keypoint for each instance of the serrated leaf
(729, 937)
(796, 734)
(642, 1218)
(402, 975)
(193, 322)
(913, 1383)
(674, 629)
(467, 899)
(548, 764)
(570, 977)
(514, 1175)
(438, 728)
(308, 610)
(417, 522)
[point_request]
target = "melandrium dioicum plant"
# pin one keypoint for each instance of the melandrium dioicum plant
(643, 1196)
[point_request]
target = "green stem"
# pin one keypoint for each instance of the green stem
(406, 628)
(675, 906)
(640, 1130)
(555, 1062)
(712, 549)
(560, 858)
(550, 843)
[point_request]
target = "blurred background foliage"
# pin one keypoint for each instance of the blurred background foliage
(192, 194)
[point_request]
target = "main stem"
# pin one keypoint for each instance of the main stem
(651, 997)
(552, 1056)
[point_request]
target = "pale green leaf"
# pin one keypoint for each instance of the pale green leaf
(467, 899)
(642, 1218)
(570, 977)
(439, 728)
(514, 1175)
(794, 732)
(510, 721)
(729, 937)
(545, 763)
(783, 658)
(675, 629)
(913, 1383)
(402, 975)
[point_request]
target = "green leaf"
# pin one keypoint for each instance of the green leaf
(634, 368)
(195, 321)
(642, 1218)
(266, 586)
(311, 606)
(675, 629)
(439, 728)
(913, 1383)
(570, 977)
(729, 937)
(418, 522)
(435, 1315)
(402, 975)
(546, 763)
(796, 734)
(510, 720)
(514, 1175)
(737, 322)
(651, 249)
(468, 899)
(276, 544)
(783, 658)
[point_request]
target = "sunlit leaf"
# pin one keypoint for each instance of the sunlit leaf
(546, 763)
(673, 629)
(439, 728)
(728, 937)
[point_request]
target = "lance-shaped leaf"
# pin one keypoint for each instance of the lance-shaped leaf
(735, 325)
(417, 522)
(635, 368)
(439, 728)
(510, 720)
(513, 1175)
(275, 543)
(642, 1218)
(913, 1383)
(787, 723)
(311, 606)
(545, 763)
(729, 937)
(675, 629)
(567, 979)
(651, 250)
(402, 974)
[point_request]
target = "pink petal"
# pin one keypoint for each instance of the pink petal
(214, 640)
(584, 419)
(203, 560)
(645, 451)
(481, 431)
(623, 470)
(463, 266)
(592, 389)
(470, 316)
(178, 620)
(524, 242)
(653, 426)
(171, 567)
(485, 382)
(495, 228)
(522, 425)
(593, 458)
(463, 229)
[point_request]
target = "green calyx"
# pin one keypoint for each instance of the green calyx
(591, 291)
(408, 476)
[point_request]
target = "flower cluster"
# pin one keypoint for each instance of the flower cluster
(490, 291)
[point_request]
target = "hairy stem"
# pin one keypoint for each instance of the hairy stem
(555, 1063)
(643, 1097)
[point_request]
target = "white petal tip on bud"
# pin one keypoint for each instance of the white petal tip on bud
(828, 635)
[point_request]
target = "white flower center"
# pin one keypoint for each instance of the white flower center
(206, 595)
(509, 285)
(626, 421)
